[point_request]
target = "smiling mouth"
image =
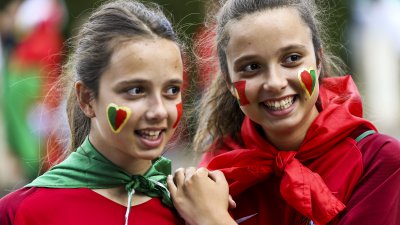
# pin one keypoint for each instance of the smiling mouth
(150, 135)
(282, 104)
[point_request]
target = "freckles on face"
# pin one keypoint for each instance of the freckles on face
(117, 116)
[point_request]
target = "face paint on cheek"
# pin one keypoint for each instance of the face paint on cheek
(308, 80)
(117, 116)
(240, 92)
(179, 114)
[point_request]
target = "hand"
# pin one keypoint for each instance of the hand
(201, 196)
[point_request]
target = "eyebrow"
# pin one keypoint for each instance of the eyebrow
(290, 47)
(283, 49)
(144, 81)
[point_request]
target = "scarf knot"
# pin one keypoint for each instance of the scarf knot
(139, 183)
(282, 159)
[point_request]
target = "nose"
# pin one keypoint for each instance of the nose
(275, 81)
(156, 109)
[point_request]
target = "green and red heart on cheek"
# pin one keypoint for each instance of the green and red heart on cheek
(117, 116)
(308, 80)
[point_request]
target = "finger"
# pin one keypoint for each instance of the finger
(179, 177)
(202, 172)
(171, 185)
(189, 172)
(232, 203)
(217, 176)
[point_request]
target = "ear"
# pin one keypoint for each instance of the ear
(84, 97)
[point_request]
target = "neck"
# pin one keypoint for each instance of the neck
(138, 167)
(291, 138)
(287, 141)
(131, 165)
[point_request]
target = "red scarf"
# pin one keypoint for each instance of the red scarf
(304, 190)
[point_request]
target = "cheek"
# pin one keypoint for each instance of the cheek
(240, 92)
(179, 114)
(308, 81)
(117, 116)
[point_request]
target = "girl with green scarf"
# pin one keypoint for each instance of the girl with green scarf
(123, 107)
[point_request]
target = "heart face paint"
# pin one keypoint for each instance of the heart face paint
(308, 80)
(240, 92)
(178, 118)
(117, 116)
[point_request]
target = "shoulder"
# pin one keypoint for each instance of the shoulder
(10, 204)
(378, 187)
(380, 150)
(381, 159)
(16, 197)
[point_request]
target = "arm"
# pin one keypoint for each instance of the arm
(201, 197)
(376, 199)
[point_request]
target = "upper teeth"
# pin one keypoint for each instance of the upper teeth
(281, 104)
(150, 132)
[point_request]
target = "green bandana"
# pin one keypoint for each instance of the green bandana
(86, 167)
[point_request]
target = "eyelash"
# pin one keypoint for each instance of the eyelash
(138, 91)
(129, 91)
(290, 57)
(250, 67)
(290, 61)
(176, 88)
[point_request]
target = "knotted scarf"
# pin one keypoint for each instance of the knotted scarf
(301, 188)
(87, 168)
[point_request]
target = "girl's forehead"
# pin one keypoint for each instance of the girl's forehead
(267, 34)
(144, 58)
(270, 15)
(271, 22)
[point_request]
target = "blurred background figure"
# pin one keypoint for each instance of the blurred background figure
(32, 52)
(376, 60)
(10, 173)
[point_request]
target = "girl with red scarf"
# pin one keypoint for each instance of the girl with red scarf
(290, 140)
(124, 104)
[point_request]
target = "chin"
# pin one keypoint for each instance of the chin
(149, 154)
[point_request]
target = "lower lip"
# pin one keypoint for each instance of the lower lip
(283, 112)
(150, 144)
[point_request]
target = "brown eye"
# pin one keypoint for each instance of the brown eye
(173, 90)
(135, 91)
(251, 67)
(292, 59)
